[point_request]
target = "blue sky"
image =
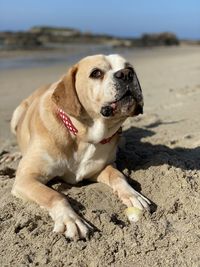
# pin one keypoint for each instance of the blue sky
(118, 17)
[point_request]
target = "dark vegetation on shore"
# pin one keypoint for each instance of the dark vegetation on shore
(52, 37)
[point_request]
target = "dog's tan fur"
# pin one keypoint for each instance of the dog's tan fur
(50, 150)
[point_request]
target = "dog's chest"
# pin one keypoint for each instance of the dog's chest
(89, 160)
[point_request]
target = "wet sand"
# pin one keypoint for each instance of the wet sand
(161, 157)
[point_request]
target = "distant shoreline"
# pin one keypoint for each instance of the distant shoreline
(42, 58)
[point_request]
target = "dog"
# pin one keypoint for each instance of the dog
(71, 129)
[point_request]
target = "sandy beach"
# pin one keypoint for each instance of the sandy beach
(161, 156)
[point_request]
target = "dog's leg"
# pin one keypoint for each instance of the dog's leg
(29, 185)
(117, 181)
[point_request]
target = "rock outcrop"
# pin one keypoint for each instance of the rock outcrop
(48, 37)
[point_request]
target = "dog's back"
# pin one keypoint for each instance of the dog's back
(20, 111)
(20, 115)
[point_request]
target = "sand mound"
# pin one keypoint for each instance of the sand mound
(167, 237)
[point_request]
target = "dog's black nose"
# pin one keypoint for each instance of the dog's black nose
(125, 75)
(106, 111)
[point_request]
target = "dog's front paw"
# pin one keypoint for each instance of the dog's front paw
(8, 157)
(68, 222)
(135, 202)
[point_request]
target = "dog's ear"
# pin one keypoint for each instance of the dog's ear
(65, 95)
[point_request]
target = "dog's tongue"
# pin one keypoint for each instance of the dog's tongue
(114, 106)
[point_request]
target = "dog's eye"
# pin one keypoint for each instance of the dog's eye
(96, 74)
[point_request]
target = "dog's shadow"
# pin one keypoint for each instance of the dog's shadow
(137, 154)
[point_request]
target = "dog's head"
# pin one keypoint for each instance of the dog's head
(99, 85)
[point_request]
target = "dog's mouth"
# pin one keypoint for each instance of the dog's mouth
(127, 99)
(127, 94)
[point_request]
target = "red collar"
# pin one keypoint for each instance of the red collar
(69, 125)
(67, 122)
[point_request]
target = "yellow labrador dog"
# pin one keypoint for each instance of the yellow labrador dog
(71, 129)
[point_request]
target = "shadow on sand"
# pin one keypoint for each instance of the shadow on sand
(141, 155)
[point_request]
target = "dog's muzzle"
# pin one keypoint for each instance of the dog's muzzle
(128, 93)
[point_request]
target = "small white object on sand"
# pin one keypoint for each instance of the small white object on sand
(133, 214)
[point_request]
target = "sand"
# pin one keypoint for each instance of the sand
(161, 156)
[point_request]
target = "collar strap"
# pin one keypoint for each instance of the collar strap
(70, 126)
(107, 140)
(67, 122)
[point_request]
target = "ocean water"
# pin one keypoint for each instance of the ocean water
(69, 54)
